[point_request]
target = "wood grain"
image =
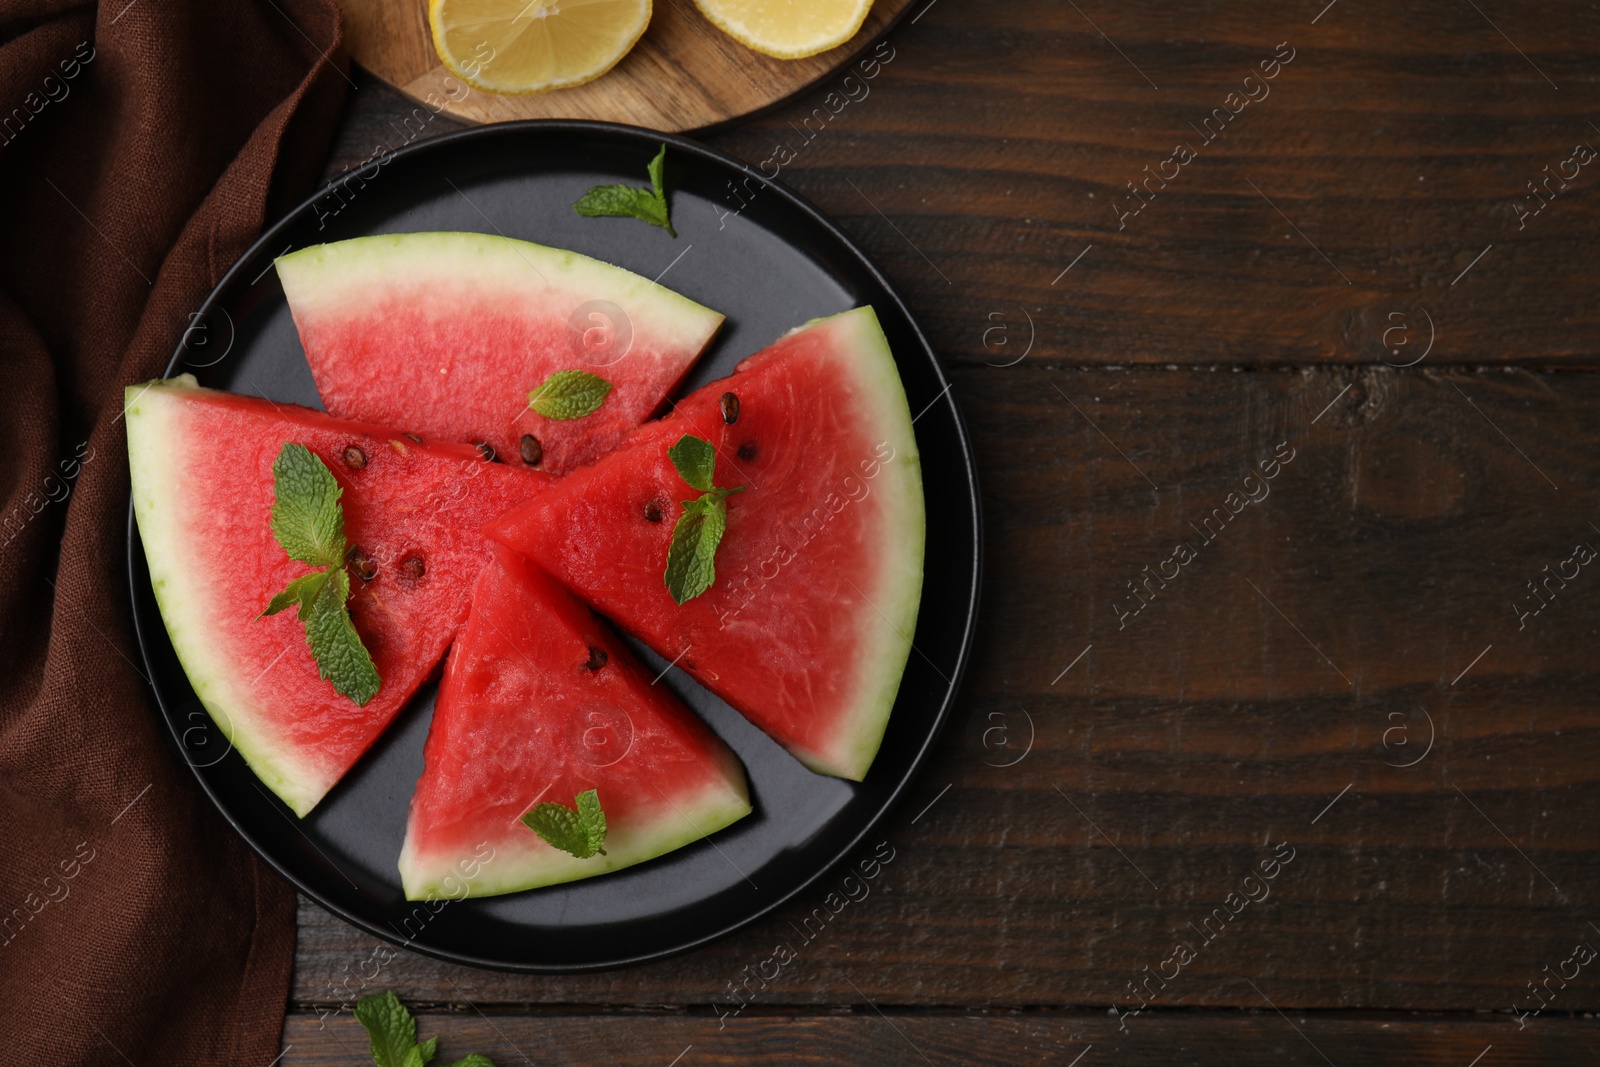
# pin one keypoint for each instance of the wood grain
(1398, 141)
(1254, 1039)
(684, 74)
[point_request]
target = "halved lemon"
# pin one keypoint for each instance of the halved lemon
(788, 29)
(529, 46)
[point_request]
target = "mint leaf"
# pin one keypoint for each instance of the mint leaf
(569, 394)
(691, 557)
(648, 205)
(392, 1029)
(394, 1035)
(656, 169)
(306, 517)
(622, 201)
(308, 522)
(593, 819)
(303, 590)
(581, 832)
(340, 655)
(696, 461)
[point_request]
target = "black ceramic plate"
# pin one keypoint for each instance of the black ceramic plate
(769, 265)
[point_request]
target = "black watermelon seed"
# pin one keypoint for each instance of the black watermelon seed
(532, 450)
(361, 564)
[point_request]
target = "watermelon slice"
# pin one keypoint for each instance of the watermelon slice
(808, 625)
(541, 702)
(201, 463)
(447, 333)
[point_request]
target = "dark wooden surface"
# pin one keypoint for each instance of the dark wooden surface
(1032, 1039)
(1339, 667)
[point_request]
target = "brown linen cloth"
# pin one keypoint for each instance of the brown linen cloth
(142, 147)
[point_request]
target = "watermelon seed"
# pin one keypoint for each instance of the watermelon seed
(415, 438)
(413, 568)
(597, 658)
(532, 450)
(486, 450)
(354, 458)
(730, 408)
(747, 451)
(652, 512)
(361, 563)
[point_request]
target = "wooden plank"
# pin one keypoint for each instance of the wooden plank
(1252, 1039)
(1398, 144)
(684, 73)
(1272, 692)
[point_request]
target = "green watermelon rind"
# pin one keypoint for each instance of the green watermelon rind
(898, 594)
(322, 277)
(151, 410)
(721, 803)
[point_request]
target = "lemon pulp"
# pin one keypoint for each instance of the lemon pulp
(529, 46)
(788, 29)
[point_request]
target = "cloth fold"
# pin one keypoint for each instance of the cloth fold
(143, 145)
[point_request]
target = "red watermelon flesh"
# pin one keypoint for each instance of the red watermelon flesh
(201, 464)
(447, 333)
(808, 625)
(540, 702)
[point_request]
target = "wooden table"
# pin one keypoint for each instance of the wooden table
(1346, 283)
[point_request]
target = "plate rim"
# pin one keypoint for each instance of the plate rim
(936, 728)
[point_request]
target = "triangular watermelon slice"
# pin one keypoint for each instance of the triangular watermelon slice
(201, 463)
(541, 702)
(447, 333)
(819, 574)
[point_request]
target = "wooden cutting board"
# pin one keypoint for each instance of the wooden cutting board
(684, 74)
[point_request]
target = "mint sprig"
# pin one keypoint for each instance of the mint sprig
(648, 205)
(569, 394)
(691, 558)
(308, 522)
(691, 561)
(580, 831)
(303, 591)
(393, 1033)
(306, 517)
